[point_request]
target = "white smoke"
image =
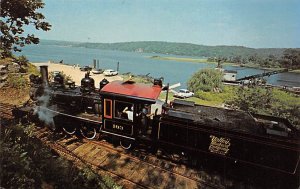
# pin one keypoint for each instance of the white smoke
(42, 111)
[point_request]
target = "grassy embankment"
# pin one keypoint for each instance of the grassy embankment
(16, 90)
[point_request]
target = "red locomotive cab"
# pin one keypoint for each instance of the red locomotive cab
(124, 107)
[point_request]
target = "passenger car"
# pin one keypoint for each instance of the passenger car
(183, 93)
(110, 72)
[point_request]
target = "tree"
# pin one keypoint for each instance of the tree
(15, 15)
(253, 99)
(291, 58)
(206, 80)
(268, 101)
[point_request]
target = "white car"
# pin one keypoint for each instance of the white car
(97, 71)
(183, 93)
(110, 72)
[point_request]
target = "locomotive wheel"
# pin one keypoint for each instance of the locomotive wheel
(69, 130)
(126, 144)
(88, 132)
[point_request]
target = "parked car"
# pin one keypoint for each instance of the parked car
(110, 72)
(97, 71)
(183, 93)
(85, 68)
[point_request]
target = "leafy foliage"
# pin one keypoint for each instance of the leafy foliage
(206, 80)
(286, 105)
(17, 81)
(15, 15)
(253, 99)
(22, 60)
(26, 163)
(288, 58)
(268, 101)
(291, 59)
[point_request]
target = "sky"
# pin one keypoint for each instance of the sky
(250, 23)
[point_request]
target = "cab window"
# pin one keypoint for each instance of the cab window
(123, 110)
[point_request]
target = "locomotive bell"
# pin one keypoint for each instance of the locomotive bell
(158, 82)
(103, 83)
(59, 80)
(87, 84)
(35, 79)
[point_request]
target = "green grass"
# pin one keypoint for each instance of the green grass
(286, 98)
(214, 98)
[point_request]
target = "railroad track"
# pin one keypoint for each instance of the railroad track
(141, 170)
(163, 165)
(130, 171)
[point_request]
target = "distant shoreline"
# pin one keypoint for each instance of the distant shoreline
(203, 60)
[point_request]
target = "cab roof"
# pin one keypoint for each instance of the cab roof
(132, 90)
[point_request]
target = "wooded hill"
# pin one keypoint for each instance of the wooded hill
(185, 49)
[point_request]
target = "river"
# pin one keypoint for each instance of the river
(140, 63)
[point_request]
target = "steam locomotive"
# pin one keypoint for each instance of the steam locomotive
(132, 114)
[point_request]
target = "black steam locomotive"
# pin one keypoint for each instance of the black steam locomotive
(132, 114)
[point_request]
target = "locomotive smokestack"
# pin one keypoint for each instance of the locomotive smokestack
(44, 73)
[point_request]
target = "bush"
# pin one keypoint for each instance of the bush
(26, 163)
(31, 69)
(206, 80)
(268, 101)
(22, 60)
(17, 81)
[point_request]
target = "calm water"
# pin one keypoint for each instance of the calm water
(139, 63)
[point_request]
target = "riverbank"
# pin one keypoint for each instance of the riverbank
(75, 73)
